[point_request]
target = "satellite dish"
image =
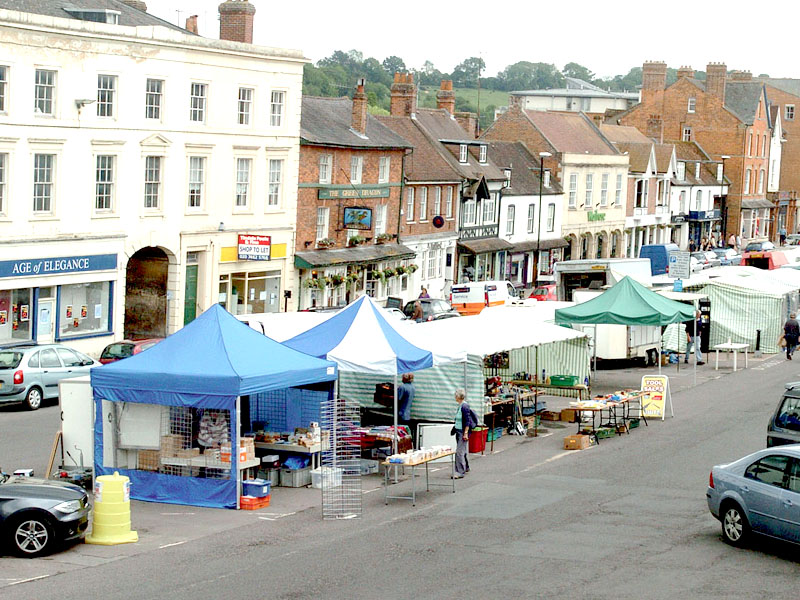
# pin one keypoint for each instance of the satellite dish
(438, 221)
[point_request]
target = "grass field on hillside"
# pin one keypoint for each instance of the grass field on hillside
(427, 97)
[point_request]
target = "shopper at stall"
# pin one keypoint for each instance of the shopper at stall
(405, 396)
(693, 337)
(732, 241)
(213, 429)
(417, 315)
(463, 424)
(791, 333)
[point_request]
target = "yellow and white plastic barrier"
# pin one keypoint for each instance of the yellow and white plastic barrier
(111, 518)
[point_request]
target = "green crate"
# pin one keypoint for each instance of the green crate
(564, 380)
(633, 423)
(605, 432)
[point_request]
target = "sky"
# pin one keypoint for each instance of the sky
(607, 39)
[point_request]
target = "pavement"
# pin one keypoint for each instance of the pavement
(162, 526)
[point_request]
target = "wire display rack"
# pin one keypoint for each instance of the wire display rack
(341, 462)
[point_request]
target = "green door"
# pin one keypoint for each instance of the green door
(190, 295)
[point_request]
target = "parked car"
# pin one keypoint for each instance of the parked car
(544, 292)
(395, 314)
(37, 514)
(126, 349)
(759, 247)
(793, 239)
(784, 425)
(433, 309)
(728, 256)
(695, 264)
(703, 259)
(30, 372)
(712, 257)
(759, 494)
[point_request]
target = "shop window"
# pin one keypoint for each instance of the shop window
(245, 293)
(15, 311)
(83, 309)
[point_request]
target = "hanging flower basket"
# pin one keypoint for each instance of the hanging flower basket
(412, 268)
(326, 243)
(379, 275)
(383, 238)
(401, 270)
(353, 278)
(336, 280)
(315, 283)
(389, 273)
(356, 240)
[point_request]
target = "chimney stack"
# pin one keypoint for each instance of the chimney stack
(404, 96)
(716, 76)
(191, 24)
(468, 122)
(654, 78)
(741, 76)
(360, 109)
(137, 4)
(686, 72)
(446, 97)
(236, 21)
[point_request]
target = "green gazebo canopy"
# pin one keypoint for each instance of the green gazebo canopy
(627, 303)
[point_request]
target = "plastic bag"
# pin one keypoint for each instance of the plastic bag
(782, 342)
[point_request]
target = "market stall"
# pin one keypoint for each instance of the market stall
(174, 419)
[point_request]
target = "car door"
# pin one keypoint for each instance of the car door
(790, 502)
(762, 490)
(52, 371)
(73, 363)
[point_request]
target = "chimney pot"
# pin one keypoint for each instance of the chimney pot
(445, 97)
(236, 21)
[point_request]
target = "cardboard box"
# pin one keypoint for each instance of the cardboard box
(148, 460)
(188, 452)
(170, 444)
(550, 415)
(577, 442)
(569, 415)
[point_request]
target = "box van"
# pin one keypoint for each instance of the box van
(472, 297)
(659, 256)
(784, 425)
(593, 274)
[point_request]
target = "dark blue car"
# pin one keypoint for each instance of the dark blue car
(758, 494)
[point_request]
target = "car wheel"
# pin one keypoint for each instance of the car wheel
(735, 529)
(34, 399)
(31, 536)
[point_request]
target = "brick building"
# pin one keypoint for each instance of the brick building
(348, 204)
(728, 117)
(591, 171)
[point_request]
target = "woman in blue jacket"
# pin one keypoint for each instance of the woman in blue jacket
(463, 424)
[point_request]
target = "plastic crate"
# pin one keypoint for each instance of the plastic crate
(564, 380)
(296, 477)
(605, 432)
(258, 488)
(331, 476)
(494, 434)
(252, 503)
(369, 466)
(633, 423)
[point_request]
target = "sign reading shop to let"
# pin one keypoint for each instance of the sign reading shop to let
(57, 266)
(353, 192)
(254, 247)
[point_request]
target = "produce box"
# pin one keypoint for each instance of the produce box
(296, 477)
(550, 415)
(605, 432)
(148, 460)
(251, 503)
(633, 423)
(188, 452)
(493, 434)
(170, 444)
(564, 380)
(369, 466)
(577, 442)
(569, 415)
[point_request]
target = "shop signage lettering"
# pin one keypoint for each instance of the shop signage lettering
(597, 216)
(254, 247)
(353, 192)
(57, 266)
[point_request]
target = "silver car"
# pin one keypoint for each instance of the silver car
(759, 493)
(30, 372)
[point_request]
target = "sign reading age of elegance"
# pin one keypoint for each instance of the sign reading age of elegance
(254, 247)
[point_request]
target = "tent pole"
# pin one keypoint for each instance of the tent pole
(660, 347)
(394, 436)
(235, 452)
(694, 326)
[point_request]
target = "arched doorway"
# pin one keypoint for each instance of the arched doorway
(146, 294)
(572, 247)
(586, 245)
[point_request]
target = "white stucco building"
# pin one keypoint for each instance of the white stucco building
(132, 155)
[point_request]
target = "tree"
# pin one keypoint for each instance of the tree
(527, 75)
(393, 64)
(578, 72)
(429, 75)
(466, 74)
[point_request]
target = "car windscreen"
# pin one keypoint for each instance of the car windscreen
(788, 416)
(440, 306)
(10, 359)
(117, 351)
(540, 292)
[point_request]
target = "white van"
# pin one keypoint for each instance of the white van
(472, 297)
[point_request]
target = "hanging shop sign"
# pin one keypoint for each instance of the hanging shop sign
(57, 266)
(657, 396)
(353, 192)
(254, 247)
(357, 217)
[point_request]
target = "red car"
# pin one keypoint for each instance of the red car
(125, 348)
(544, 292)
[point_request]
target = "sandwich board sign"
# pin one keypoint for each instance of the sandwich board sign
(656, 396)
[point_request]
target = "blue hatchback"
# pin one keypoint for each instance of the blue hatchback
(759, 493)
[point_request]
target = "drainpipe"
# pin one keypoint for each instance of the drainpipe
(402, 190)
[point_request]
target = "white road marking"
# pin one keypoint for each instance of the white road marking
(29, 579)
(544, 462)
(370, 491)
(176, 514)
(173, 544)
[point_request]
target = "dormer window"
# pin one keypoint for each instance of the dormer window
(681, 171)
(507, 174)
(482, 155)
(96, 15)
(462, 153)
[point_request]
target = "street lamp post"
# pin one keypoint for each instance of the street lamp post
(542, 156)
(723, 205)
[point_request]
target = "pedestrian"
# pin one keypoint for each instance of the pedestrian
(424, 293)
(791, 333)
(693, 337)
(739, 243)
(417, 315)
(405, 397)
(782, 234)
(692, 246)
(464, 423)
(703, 244)
(732, 241)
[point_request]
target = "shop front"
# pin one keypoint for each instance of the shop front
(521, 257)
(482, 259)
(702, 224)
(332, 278)
(58, 299)
(756, 219)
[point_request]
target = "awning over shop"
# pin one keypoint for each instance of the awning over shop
(756, 203)
(529, 245)
(371, 253)
(484, 245)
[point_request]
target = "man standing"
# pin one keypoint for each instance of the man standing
(405, 396)
(693, 337)
(782, 234)
(791, 333)
(462, 426)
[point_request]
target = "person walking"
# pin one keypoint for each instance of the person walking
(462, 426)
(791, 333)
(693, 337)
(732, 241)
(782, 234)
(405, 397)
